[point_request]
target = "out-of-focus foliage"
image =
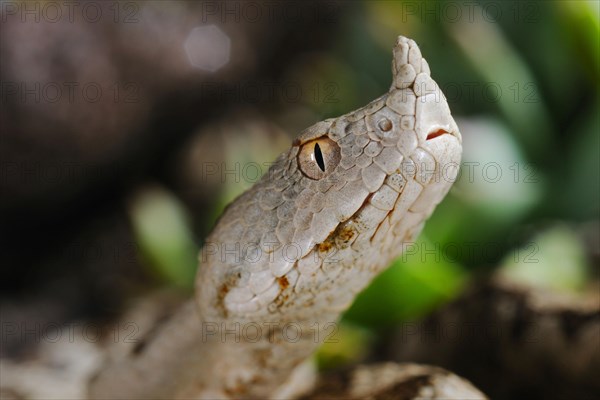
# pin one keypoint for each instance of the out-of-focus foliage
(414, 284)
(554, 259)
(161, 227)
(343, 344)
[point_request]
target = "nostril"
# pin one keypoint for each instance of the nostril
(437, 133)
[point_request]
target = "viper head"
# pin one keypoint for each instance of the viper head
(337, 208)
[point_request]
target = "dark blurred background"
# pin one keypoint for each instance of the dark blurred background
(126, 127)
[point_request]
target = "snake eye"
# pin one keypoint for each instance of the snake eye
(318, 157)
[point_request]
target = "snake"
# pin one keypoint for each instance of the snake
(290, 254)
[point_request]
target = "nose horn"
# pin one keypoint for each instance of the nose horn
(407, 63)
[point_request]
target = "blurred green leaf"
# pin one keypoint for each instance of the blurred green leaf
(344, 344)
(581, 188)
(554, 259)
(162, 231)
(414, 284)
(495, 176)
(516, 90)
(581, 22)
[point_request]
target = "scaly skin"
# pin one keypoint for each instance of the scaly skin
(290, 254)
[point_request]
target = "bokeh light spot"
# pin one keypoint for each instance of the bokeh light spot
(208, 48)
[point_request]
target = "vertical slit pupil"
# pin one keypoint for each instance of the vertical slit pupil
(319, 157)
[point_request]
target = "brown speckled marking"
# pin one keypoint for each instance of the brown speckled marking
(223, 290)
(283, 282)
(325, 246)
(230, 282)
(345, 233)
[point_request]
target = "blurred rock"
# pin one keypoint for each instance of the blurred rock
(395, 381)
(513, 341)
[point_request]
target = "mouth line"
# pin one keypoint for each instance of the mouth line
(437, 133)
